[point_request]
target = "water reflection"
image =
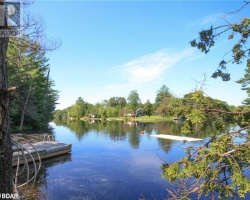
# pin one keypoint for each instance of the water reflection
(109, 160)
(120, 131)
(36, 192)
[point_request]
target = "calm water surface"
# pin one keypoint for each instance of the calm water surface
(111, 160)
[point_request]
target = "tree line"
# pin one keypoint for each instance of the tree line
(166, 105)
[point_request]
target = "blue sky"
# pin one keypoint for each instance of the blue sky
(110, 48)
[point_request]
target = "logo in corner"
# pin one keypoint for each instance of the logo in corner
(10, 18)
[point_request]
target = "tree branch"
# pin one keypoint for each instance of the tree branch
(9, 90)
(226, 112)
(12, 89)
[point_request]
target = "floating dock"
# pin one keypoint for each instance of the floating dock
(45, 149)
(174, 137)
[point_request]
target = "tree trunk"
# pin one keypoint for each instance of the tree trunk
(46, 91)
(5, 139)
(24, 108)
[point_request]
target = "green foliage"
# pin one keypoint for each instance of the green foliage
(162, 101)
(133, 100)
(212, 166)
(177, 107)
(34, 102)
(206, 40)
(117, 102)
(60, 115)
(245, 81)
(216, 167)
(164, 108)
(79, 109)
(162, 93)
(240, 51)
(148, 108)
(220, 166)
(108, 108)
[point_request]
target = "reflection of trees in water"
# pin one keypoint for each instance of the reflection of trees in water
(115, 130)
(174, 128)
(134, 135)
(169, 127)
(77, 127)
(208, 130)
(165, 144)
(60, 122)
(149, 128)
(119, 130)
(37, 192)
(163, 128)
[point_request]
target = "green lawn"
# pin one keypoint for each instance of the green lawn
(142, 119)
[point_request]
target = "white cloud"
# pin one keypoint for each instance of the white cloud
(117, 86)
(144, 73)
(194, 57)
(208, 20)
(150, 67)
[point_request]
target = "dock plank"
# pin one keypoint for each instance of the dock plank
(46, 149)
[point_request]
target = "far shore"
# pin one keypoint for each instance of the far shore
(141, 119)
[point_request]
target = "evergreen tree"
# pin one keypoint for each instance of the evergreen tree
(162, 93)
(34, 103)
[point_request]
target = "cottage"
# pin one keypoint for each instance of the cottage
(139, 112)
(92, 116)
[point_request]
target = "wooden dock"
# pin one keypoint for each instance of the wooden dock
(174, 137)
(45, 149)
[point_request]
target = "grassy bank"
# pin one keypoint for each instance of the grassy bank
(142, 119)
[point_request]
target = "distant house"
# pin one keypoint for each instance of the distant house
(139, 112)
(92, 116)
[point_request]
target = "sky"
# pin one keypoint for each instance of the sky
(110, 48)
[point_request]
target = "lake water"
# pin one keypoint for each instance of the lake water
(111, 160)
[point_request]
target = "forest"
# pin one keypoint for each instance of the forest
(32, 107)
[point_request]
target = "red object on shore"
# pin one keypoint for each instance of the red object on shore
(142, 132)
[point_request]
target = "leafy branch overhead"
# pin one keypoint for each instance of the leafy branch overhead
(240, 51)
(220, 167)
